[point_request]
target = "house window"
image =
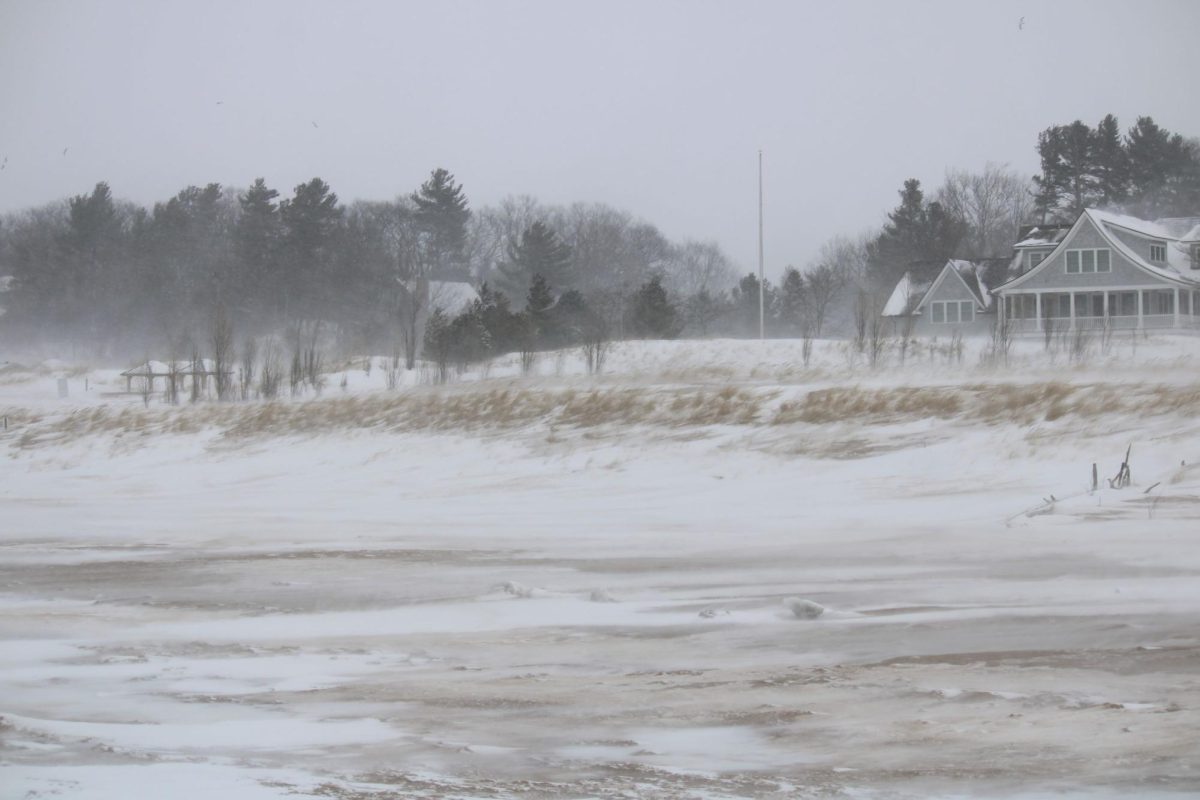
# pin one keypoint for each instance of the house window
(1158, 252)
(1035, 259)
(1085, 261)
(1160, 302)
(951, 311)
(1196, 256)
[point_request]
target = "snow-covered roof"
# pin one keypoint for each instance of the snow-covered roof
(1042, 236)
(901, 301)
(1170, 231)
(912, 289)
(1179, 257)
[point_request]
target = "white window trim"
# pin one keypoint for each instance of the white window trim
(1162, 248)
(941, 305)
(1079, 259)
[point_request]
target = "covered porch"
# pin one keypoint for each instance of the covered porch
(1119, 308)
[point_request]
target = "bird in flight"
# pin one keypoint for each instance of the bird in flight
(65, 149)
(315, 125)
(220, 102)
(4, 163)
(1021, 24)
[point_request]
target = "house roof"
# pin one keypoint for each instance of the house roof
(1040, 235)
(920, 280)
(1170, 231)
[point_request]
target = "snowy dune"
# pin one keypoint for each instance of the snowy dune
(561, 586)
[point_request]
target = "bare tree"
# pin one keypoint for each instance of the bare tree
(806, 343)
(876, 330)
(862, 318)
(246, 376)
(146, 386)
(198, 372)
(694, 267)
(823, 283)
(221, 342)
(271, 375)
(1001, 340)
(596, 342)
(993, 203)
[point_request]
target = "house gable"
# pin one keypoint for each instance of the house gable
(1087, 233)
(947, 288)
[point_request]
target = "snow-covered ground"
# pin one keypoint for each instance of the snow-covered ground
(564, 586)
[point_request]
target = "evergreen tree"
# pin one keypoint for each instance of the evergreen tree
(311, 222)
(1157, 161)
(257, 238)
(704, 310)
(92, 246)
(1111, 163)
(442, 214)
(793, 296)
(915, 231)
(539, 252)
(1069, 181)
(652, 316)
(746, 305)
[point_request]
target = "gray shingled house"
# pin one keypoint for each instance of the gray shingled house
(1107, 270)
(944, 299)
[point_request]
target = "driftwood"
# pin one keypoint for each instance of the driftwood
(1123, 477)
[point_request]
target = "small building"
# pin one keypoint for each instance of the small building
(1107, 271)
(954, 298)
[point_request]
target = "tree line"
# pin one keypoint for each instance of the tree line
(111, 278)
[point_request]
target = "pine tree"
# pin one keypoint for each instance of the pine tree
(442, 214)
(540, 252)
(1111, 163)
(1068, 182)
(792, 297)
(915, 231)
(652, 315)
(311, 219)
(1157, 159)
(257, 238)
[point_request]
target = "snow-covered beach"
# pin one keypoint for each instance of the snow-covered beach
(580, 588)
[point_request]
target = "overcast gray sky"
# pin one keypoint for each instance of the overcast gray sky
(654, 107)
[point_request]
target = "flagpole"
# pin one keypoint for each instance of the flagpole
(762, 303)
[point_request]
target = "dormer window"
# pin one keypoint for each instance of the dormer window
(1196, 256)
(1158, 252)
(1035, 259)
(1086, 261)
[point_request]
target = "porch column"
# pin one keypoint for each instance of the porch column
(1106, 305)
(1139, 322)
(1071, 296)
(1038, 309)
(1177, 308)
